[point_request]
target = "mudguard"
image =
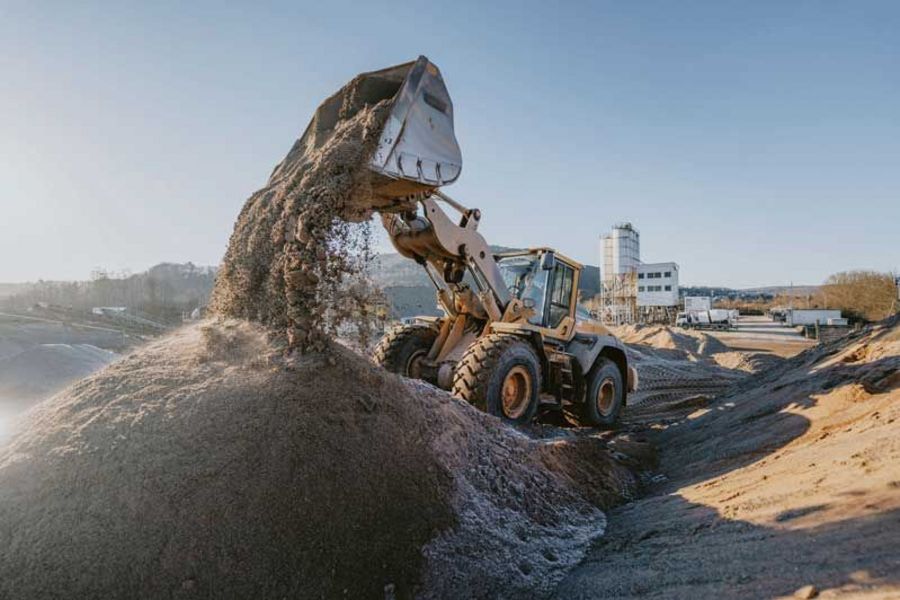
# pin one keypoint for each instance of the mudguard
(587, 348)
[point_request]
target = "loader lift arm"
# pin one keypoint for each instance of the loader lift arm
(447, 249)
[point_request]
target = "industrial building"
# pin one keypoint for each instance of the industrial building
(657, 284)
(633, 291)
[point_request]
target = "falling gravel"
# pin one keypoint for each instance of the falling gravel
(297, 257)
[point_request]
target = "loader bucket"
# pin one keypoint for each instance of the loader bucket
(415, 152)
(417, 145)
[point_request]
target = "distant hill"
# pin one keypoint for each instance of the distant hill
(164, 292)
(767, 292)
(783, 290)
(168, 290)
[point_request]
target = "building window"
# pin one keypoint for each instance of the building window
(668, 288)
(641, 288)
(668, 273)
(640, 275)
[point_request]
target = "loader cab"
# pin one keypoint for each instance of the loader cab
(546, 282)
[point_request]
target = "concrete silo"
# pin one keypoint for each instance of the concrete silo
(620, 251)
(620, 256)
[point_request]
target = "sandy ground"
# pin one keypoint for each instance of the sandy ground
(775, 474)
(789, 480)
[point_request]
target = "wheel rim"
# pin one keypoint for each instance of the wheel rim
(606, 397)
(516, 392)
(414, 364)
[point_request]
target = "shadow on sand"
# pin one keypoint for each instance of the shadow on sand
(686, 550)
(665, 546)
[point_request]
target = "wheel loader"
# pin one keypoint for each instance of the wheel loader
(512, 340)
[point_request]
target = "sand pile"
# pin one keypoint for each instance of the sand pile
(750, 362)
(297, 257)
(209, 464)
(694, 344)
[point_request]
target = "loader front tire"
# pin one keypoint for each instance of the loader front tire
(501, 375)
(402, 348)
(604, 395)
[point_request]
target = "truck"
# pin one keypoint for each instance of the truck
(714, 318)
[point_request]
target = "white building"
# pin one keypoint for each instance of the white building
(657, 284)
(631, 291)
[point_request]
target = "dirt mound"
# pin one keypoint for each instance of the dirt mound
(750, 362)
(791, 479)
(209, 465)
(695, 344)
(296, 260)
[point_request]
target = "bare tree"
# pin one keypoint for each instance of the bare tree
(862, 294)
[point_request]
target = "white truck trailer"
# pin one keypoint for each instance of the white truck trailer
(809, 316)
(714, 318)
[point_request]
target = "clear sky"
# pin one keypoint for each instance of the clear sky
(751, 142)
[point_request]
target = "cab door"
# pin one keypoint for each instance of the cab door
(558, 316)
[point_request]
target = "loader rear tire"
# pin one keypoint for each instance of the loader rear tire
(501, 375)
(401, 349)
(604, 395)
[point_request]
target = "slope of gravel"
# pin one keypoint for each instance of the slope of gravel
(789, 480)
(209, 465)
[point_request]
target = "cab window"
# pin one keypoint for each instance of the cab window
(561, 294)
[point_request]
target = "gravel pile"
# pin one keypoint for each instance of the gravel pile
(209, 465)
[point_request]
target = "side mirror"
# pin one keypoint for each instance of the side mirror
(548, 261)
